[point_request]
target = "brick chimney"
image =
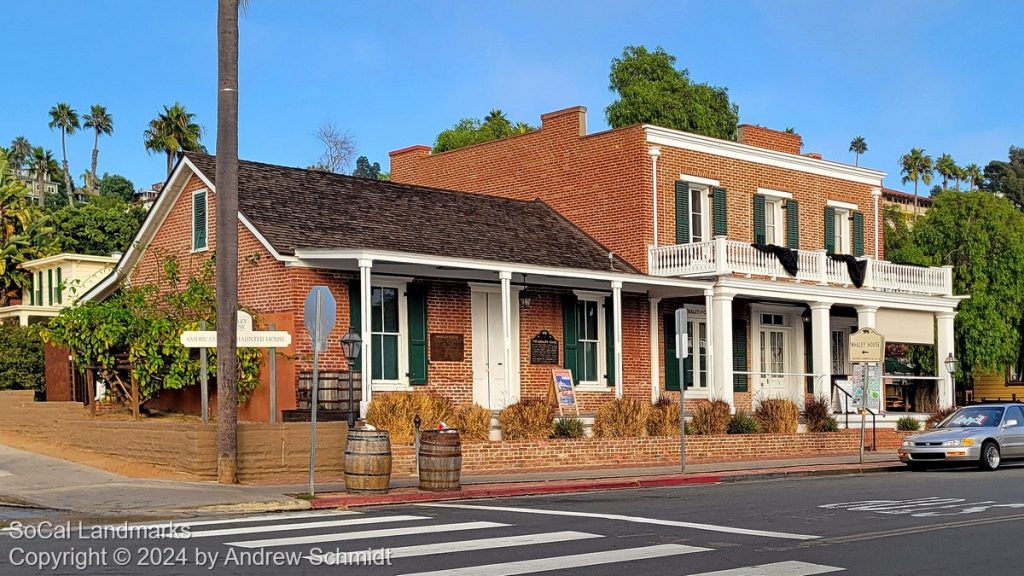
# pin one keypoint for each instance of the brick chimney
(769, 139)
(572, 120)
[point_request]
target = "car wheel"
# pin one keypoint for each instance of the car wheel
(990, 457)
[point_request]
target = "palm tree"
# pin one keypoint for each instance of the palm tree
(946, 167)
(173, 132)
(40, 164)
(973, 176)
(958, 176)
(103, 123)
(63, 116)
(24, 232)
(914, 166)
(20, 150)
(858, 146)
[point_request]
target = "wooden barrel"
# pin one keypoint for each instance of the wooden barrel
(367, 461)
(440, 460)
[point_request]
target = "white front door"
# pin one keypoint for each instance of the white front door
(772, 345)
(490, 389)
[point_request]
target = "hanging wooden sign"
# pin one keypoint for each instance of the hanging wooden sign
(562, 391)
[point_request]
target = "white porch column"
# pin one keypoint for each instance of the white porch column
(366, 356)
(709, 351)
(506, 327)
(821, 345)
(866, 316)
(721, 305)
(617, 334)
(944, 337)
(655, 321)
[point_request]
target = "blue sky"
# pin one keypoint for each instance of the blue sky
(941, 75)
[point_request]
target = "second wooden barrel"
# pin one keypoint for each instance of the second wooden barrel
(440, 460)
(367, 461)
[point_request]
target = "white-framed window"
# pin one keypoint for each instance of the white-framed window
(774, 222)
(590, 327)
(700, 213)
(839, 352)
(200, 221)
(773, 319)
(697, 346)
(842, 227)
(388, 329)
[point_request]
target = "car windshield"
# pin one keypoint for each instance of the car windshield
(974, 417)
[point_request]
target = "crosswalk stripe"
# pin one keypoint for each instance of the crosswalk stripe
(462, 546)
(244, 519)
(637, 519)
(383, 533)
(301, 526)
(570, 561)
(789, 568)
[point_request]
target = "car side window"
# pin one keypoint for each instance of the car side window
(1017, 414)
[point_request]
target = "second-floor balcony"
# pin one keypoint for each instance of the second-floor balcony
(722, 256)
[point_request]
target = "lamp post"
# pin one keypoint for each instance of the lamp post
(350, 346)
(950, 363)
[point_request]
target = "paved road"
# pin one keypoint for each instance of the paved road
(938, 522)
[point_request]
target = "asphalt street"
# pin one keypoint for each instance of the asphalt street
(935, 522)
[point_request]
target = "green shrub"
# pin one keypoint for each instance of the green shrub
(473, 422)
(711, 417)
(777, 416)
(22, 366)
(908, 424)
(663, 420)
(622, 418)
(569, 428)
(817, 413)
(830, 424)
(743, 423)
(528, 420)
(939, 416)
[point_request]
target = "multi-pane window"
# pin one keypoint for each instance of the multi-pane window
(384, 327)
(773, 221)
(842, 228)
(588, 326)
(698, 213)
(773, 319)
(773, 352)
(838, 352)
(697, 347)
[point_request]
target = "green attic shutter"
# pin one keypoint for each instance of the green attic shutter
(570, 336)
(609, 339)
(739, 355)
(858, 233)
(416, 296)
(682, 212)
(759, 225)
(792, 224)
(355, 313)
(830, 230)
(719, 208)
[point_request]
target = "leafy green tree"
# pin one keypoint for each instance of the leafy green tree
(64, 117)
(858, 146)
(117, 186)
(19, 152)
(973, 176)
(896, 225)
(1007, 178)
(22, 364)
(24, 233)
(41, 164)
(469, 131)
(366, 170)
(102, 123)
(947, 169)
(173, 132)
(100, 227)
(652, 91)
(915, 166)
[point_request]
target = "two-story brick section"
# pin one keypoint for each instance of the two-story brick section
(787, 246)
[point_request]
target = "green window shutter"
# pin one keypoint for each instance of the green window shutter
(759, 232)
(49, 286)
(682, 212)
(858, 233)
(60, 288)
(671, 362)
(570, 336)
(830, 230)
(32, 291)
(355, 313)
(792, 224)
(416, 296)
(609, 340)
(721, 220)
(739, 355)
(199, 221)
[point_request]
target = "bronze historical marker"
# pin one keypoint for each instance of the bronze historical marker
(447, 348)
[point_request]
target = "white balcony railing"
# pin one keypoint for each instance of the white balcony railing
(722, 256)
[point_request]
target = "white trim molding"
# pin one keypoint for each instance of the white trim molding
(699, 180)
(841, 205)
(775, 193)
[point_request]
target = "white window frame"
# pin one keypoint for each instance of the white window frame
(842, 225)
(601, 384)
(777, 235)
(700, 387)
(703, 191)
(845, 326)
(206, 224)
(402, 383)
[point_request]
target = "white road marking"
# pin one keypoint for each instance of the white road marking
(791, 568)
(301, 526)
(636, 519)
(384, 533)
(243, 519)
(467, 545)
(570, 561)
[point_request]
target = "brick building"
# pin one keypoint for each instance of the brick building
(680, 205)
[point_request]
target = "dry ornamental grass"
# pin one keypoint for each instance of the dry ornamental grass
(622, 418)
(473, 422)
(528, 420)
(777, 416)
(664, 418)
(396, 411)
(711, 417)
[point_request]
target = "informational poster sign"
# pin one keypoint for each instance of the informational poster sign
(857, 384)
(563, 391)
(873, 388)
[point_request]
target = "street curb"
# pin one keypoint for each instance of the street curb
(471, 492)
(287, 505)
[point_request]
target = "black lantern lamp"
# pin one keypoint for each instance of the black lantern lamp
(351, 345)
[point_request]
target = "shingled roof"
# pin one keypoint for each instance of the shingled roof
(298, 209)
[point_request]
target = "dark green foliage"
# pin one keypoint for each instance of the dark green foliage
(21, 358)
(366, 170)
(117, 186)
(652, 91)
(908, 424)
(101, 227)
(568, 428)
(469, 131)
(1007, 178)
(743, 423)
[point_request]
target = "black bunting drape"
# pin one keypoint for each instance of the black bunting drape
(857, 268)
(786, 256)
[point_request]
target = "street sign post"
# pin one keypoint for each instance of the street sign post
(682, 351)
(319, 315)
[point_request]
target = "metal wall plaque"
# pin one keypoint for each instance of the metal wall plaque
(447, 348)
(543, 349)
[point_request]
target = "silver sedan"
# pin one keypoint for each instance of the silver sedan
(985, 433)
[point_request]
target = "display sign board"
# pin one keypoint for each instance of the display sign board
(447, 348)
(245, 336)
(543, 348)
(873, 387)
(866, 345)
(563, 391)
